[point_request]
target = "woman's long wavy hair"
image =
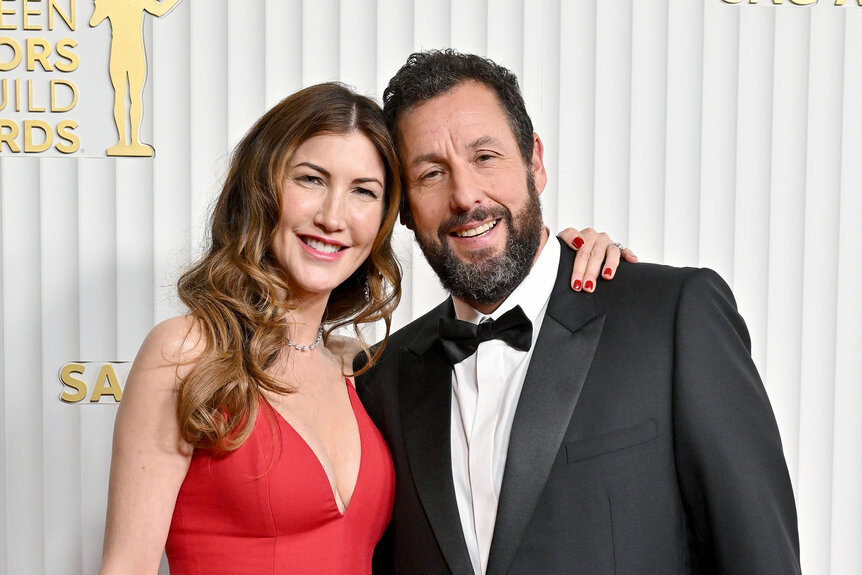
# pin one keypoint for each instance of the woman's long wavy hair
(237, 293)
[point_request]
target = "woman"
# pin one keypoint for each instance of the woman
(240, 446)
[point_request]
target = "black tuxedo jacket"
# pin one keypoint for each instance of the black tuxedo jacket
(643, 441)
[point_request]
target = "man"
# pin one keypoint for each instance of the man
(621, 431)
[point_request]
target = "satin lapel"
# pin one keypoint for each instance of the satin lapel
(425, 401)
(564, 351)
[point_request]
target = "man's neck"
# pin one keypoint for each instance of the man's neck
(489, 308)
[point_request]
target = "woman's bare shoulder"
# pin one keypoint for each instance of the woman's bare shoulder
(150, 394)
(174, 342)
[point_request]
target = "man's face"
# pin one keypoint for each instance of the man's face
(475, 207)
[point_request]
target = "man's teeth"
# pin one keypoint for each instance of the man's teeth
(473, 232)
(320, 246)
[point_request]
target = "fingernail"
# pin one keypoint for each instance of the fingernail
(607, 273)
(589, 285)
(577, 285)
(578, 242)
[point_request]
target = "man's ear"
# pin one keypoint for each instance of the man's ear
(406, 215)
(537, 164)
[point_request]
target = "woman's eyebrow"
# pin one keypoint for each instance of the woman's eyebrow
(367, 180)
(314, 167)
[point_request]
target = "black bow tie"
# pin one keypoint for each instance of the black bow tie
(460, 339)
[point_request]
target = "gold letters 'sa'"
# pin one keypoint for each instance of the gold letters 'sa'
(128, 64)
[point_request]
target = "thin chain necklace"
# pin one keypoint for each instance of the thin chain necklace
(307, 347)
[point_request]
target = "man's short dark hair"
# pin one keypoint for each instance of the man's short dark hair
(428, 74)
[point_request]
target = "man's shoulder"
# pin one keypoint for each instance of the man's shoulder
(416, 335)
(651, 285)
(421, 328)
(644, 277)
(652, 276)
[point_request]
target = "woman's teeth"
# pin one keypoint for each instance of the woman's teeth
(473, 232)
(321, 246)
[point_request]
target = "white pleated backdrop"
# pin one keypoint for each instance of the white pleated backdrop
(696, 131)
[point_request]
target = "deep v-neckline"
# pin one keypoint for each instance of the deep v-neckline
(329, 482)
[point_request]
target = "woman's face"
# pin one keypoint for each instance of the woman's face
(332, 208)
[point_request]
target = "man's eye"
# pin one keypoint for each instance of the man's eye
(430, 175)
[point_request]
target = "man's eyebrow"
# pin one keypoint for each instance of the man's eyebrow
(430, 157)
(477, 143)
(481, 141)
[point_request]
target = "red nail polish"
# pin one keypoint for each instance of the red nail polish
(607, 273)
(577, 285)
(578, 242)
(589, 285)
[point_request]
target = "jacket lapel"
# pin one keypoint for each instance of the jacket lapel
(425, 400)
(564, 351)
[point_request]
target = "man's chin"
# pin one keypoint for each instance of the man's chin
(475, 256)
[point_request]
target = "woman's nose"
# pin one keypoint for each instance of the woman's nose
(330, 215)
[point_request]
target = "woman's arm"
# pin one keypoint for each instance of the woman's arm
(149, 460)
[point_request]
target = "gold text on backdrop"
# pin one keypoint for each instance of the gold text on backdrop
(93, 382)
(23, 55)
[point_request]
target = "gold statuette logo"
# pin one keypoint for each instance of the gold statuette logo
(128, 66)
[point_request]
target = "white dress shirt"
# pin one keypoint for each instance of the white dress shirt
(485, 390)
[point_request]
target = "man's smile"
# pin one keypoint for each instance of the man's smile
(475, 231)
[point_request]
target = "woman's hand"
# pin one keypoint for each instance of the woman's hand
(597, 252)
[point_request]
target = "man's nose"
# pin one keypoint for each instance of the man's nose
(467, 190)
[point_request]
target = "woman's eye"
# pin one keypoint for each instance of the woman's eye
(309, 179)
(366, 193)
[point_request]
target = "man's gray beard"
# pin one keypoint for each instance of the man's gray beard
(488, 281)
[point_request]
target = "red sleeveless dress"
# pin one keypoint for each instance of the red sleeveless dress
(268, 508)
